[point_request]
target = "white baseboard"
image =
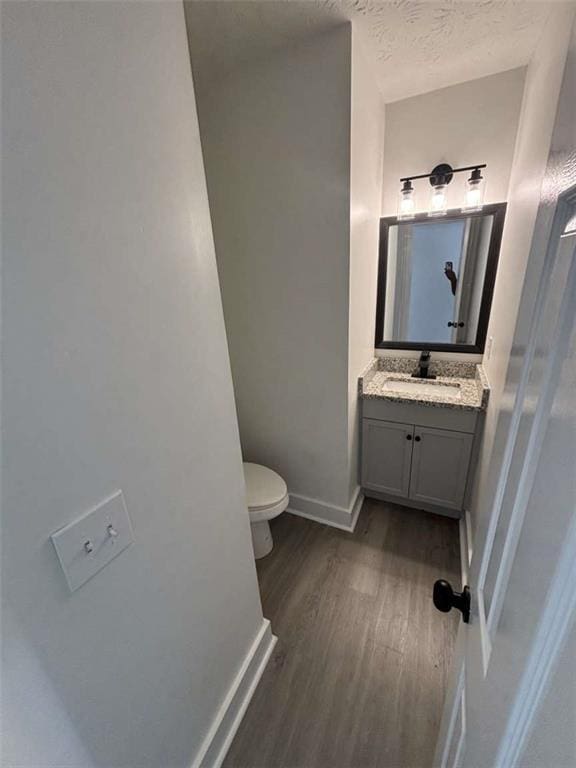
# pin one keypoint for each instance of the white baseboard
(229, 716)
(328, 514)
(469, 535)
(465, 530)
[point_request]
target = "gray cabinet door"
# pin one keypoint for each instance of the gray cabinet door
(386, 456)
(440, 466)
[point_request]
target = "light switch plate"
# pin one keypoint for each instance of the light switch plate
(489, 345)
(89, 543)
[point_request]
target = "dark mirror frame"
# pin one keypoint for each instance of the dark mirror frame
(498, 211)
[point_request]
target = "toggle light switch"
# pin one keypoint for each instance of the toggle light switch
(89, 543)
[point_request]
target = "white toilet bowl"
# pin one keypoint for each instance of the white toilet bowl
(266, 497)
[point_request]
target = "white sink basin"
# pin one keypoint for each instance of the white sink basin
(421, 387)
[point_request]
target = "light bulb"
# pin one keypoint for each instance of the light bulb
(438, 201)
(475, 187)
(406, 201)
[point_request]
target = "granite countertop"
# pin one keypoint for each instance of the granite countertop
(468, 379)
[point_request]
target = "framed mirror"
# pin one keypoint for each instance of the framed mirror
(436, 279)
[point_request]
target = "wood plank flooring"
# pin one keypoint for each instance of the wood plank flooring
(359, 673)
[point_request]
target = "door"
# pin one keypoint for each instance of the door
(386, 456)
(440, 462)
(512, 702)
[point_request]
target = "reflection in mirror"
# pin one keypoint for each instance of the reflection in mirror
(433, 277)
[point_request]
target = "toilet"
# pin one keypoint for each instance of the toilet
(266, 497)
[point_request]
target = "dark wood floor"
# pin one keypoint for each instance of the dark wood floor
(358, 676)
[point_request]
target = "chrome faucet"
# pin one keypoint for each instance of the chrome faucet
(423, 365)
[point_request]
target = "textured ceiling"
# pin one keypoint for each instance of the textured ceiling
(420, 46)
(414, 45)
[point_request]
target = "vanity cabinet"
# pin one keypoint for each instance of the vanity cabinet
(440, 462)
(387, 456)
(417, 461)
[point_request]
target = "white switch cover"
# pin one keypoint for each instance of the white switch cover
(86, 545)
(489, 345)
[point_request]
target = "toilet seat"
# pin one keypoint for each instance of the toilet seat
(266, 492)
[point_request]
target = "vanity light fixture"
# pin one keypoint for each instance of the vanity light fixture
(474, 191)
(439, 179)
(406, 201)
(438, 201)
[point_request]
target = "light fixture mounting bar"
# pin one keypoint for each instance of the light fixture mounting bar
(454, 170)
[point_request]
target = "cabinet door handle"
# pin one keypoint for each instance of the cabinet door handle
(408, 437)
(417, 438)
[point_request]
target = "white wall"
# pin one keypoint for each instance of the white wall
(473, 122)
(366, 153)
(115, 375)
(276, 142)
(542, 87)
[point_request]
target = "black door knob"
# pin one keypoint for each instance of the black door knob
(417, 438)
(408, 437)
(451, 325)
(445, 599)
